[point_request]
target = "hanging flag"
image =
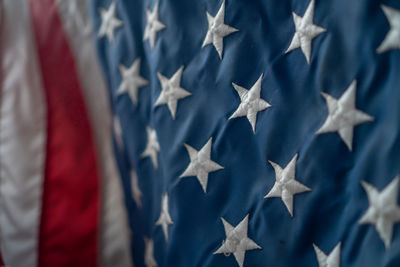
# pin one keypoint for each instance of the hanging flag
(256, 133)
(199, 133)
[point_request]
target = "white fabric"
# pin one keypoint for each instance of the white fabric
(306, 31)
(392, 38)
(286, 185)
(331, 260)
(153, 26)
(218, 30)
(22, 138)
(237, 241)
(171, 91)
(250, 102)
(200, 164)
(114, 247)
(343, 115)
(383, 211)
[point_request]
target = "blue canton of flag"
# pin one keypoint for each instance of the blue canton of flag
(256, 133)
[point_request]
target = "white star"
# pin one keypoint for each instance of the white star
(118, 132)
(149, 253)
(217, 30)
(165, 218)
(343, 115)
(383, 211)
(251, 103)
(171, 91)
(236, 241)
(109, 22)
(392, 39)
(131, 80)
(200, 164)
(136, 193)
(306, 31)
(285, 185)
(331, 260)
(152, 147)
(153, 26)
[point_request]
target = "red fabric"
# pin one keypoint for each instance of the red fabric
(70, 202)
(1, 261)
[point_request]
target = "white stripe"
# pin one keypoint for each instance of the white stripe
(115, 234)
(22, 138)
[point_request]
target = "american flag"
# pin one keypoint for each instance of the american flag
(200, 133)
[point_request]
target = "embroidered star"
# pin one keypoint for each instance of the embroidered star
(165, 219)
(109, 22)
(392, 38)
(217, 30)
(343, 116)
(200, 164)
(251, 103)
(383, 211)
(118, 132)
(152, 147)
(236, 241)
(285, 185)
(306, 31)
(131, 80)
(149, 260)
(136, 193)
(331, 260)
(153, 26)
(171, 91)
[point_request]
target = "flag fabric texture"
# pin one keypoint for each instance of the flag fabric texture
(200, 133)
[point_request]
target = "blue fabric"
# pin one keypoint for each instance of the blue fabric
(325, 216)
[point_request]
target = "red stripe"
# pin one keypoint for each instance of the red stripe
(70, 202)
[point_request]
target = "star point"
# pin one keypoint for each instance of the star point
(118, 132)
(217, 30)
(237, 241)
(251, 102)
(200, 164)
(136, 192)
(109, 22)
(392, 38)
(383, 211)
(305, 32)
(171, 91)
(149, 260)
(286, 186)
(153, 26)
(152, 147)
(331, 260)
(343, 115)
(131, 80)
(165, 219)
